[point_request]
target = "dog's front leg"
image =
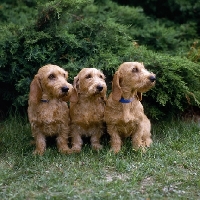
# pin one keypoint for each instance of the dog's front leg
(137, 137)
(146, 138)
(95, 139)
(62, 141)
(76, 139)
(40, 143)
(115, 139)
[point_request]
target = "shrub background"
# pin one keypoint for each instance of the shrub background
(101, 34)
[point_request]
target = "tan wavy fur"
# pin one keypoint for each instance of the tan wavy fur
(48, 111)
(87, 108)
(127, 119)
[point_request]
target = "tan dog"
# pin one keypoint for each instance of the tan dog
(47, 110)
(87, 108)
(124, 114)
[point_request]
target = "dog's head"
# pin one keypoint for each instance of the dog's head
(49, 83)
(132, 77)
(90, 82)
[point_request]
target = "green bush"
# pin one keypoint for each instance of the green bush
(177, 10)
(158, 34)
(194, 53)
(77, 34)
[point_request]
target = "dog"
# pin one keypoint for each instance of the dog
(48, 110)
(87, 105)
(124, 113)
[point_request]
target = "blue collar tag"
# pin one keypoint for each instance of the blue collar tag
(122, 100)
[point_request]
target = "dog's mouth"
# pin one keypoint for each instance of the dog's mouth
(98, 93)
(146, 87)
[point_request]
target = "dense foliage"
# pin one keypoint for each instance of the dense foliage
(180, 11)
(101, 34)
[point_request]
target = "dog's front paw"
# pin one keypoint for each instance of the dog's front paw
(97, 147)
(75, 149)
(65, 150)
(38, 152)
(147, 142)
(115, 149)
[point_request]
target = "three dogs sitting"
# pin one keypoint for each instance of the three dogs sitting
(123, 113)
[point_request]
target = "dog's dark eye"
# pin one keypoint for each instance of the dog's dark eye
(135, 69)
(51, 76)
(101, 76)
(88, 76)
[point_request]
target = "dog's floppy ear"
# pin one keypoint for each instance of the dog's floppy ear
(74, 95)
(35, 93)
(76, 82)
(139, 96)
(116, 89)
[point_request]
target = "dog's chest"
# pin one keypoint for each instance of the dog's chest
(87, 113)
(125, 116)
(52, 113)
(127, 120)
(129, 113)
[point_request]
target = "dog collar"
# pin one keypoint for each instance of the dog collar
(44, 100)
(122, 100)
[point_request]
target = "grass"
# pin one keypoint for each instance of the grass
(168, 170)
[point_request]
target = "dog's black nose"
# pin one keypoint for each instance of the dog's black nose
(99, 88)
(64, 89)
(152, 78)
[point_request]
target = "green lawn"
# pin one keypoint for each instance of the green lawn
(170, 169)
